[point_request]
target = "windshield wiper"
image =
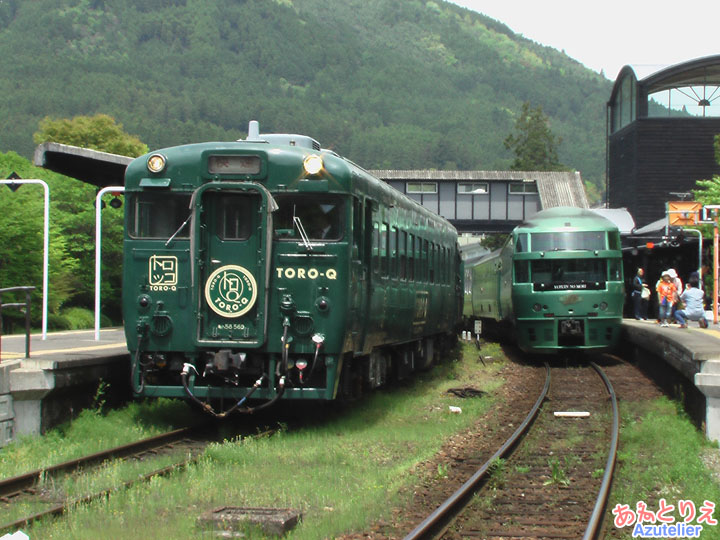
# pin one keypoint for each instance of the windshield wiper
(179, 229)
(303, 234)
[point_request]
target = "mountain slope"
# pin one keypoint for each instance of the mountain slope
(387, 83)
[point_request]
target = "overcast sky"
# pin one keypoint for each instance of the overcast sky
(608, 34)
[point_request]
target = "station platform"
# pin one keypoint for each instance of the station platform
(694, 352)
(60, 378)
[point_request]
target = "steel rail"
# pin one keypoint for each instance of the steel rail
(61, 508)
(16, 484)
(596, 518)
(451, 505)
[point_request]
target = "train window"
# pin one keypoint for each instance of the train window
(321, 216)
(158, 215)
(431, 263)
(393, 254)
(384, 252)
(425, 265)
(411, 257)
(402, 243)
(521, 243)
(613, 240)
(233, 213)
(522, 272)
(615, 267)
(376, 248)
(571, 240)
(568, 271)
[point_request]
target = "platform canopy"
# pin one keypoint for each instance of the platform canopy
(100, 169)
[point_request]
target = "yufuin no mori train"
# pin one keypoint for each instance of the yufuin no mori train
(270, 269)
(557, 282)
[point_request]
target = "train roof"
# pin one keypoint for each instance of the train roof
(566, 217)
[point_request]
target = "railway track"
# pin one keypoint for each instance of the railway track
(36, 488)
(556, 483)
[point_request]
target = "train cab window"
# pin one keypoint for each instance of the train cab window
(614, 240)
(233, 213)
(521, 243)
(154, 214)
(568, 241)
(522, 272)
(568, 271)
(615, 269)
(320, 216)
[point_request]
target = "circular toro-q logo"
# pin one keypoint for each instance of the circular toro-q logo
(231, 291)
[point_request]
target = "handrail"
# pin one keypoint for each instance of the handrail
(26, 305)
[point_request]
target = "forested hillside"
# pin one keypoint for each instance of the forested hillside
(387, 83)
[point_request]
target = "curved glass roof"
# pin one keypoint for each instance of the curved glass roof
(689, 89)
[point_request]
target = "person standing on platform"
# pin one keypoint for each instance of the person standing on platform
(666, 297)
(678, 289)
(640, 295)
(694, 309)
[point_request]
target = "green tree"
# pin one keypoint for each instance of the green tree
(708, 191)
(99, 132)
(533, 143)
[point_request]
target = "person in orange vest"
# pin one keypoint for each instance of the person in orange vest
(667, 293)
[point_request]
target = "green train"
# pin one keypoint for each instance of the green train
(270, 269)
(557, 283)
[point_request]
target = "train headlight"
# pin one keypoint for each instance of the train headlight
(603, 306)
(156, 163)
(313, 164)
(537, 307)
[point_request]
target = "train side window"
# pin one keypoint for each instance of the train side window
(613, 240)
(522, 273)
(615, 267)
(393, 254)
(376, 248)
(402, 257)
(384, 251)
(431, 263)
(424, 265)
(357, 228)
(411, 257)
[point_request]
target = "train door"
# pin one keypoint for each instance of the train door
(360, 272)
(231, 256)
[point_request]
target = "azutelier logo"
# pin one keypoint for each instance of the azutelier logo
(662, 522)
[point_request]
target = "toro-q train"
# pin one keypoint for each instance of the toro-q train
(557, 283)
(268, 268)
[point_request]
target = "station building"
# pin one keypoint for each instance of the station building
(487, 201)
(661, 124)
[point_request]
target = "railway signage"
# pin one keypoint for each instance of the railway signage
(580, 286)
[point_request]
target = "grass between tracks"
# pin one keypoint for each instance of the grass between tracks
(663, 456)
(342, 472)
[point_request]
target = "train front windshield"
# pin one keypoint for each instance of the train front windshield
(319, 216)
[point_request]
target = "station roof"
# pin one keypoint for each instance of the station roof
(554, 188)
(91, 166)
